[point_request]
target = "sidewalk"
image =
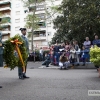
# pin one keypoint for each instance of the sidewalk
(36, 65)
(88, 65)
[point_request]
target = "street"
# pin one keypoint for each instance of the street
(49, 84)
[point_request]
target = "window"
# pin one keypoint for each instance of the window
(5, 37)
(40, 7)
(48, 24)
(17, 28)
(40, 35)
(49, 33)
(17, 5)
(25, 11)
(6, 29)
(17, 12)
(25, 19)
(41, 16)
(17, 20)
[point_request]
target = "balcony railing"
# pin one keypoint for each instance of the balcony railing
(6, 32)
(4, 1)
(40, 38)
(6, 24)
(5, 8)
(5, 15)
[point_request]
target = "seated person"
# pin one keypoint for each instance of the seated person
(63, 61)
(47, 60)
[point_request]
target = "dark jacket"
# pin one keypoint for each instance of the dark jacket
(63, 58)
(48, 57)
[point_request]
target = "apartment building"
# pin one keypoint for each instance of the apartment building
(5, 11)
(16, 13)
(45, 32)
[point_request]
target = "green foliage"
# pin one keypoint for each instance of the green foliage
(27, 3)
(11, 58)
(77, 19)
(29, 24)
(95, 55)
(32, 19)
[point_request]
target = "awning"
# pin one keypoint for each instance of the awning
(3, 3)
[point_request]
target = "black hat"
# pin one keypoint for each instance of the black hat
(22, 29)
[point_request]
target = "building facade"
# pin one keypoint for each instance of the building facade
(5, 12)
(16, 13)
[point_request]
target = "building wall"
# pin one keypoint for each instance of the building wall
(18, 17)
(5, 11)
(18, 20)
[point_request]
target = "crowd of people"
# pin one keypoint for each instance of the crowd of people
(70, 53)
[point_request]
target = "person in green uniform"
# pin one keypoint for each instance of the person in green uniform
(20, 70)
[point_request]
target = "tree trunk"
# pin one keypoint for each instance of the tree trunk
(32, 42)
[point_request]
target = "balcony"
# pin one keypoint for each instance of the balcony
(6, 32)
(6, 23)
(41, 11)
(5, 36)
(5, 8)
(4, 1)
(39, 38)
(4, 39)
(7, 19)
(5, 5)
(41, 29)
(5, 15)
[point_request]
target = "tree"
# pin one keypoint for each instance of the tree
(29, 23)
(32, 20)
(78, 19)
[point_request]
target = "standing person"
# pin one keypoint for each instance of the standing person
(67, 48)
(87, 43)
(20, 70)
(85, 55)
(52, 54)
(1, 53)
(62, 48)
(96, 42)
(41, 54)
(56, 54)
(77, 55)
(72, 56)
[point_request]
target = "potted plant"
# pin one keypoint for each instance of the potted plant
(95, 56)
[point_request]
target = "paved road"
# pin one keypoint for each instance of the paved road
(49, 84)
